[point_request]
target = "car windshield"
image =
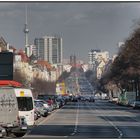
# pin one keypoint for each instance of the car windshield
(43, 102)
(25, 103)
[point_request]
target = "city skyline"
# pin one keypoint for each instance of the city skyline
(82, 26)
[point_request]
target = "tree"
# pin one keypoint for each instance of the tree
(43, 87)
(126, 66)
(63, 76)
(19, 77)
(38, 86)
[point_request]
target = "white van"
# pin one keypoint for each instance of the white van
(10, 121)
(25, 104)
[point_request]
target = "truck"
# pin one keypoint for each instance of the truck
(12, 119)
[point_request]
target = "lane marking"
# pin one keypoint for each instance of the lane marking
(128, 109)
(51, 115)
(76, 121)
(103, 115)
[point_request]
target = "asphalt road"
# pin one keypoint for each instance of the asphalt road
(83, 120)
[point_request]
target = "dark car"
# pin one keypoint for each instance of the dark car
(75, 99)
(136, 104)
(92, 99)
(61, 101)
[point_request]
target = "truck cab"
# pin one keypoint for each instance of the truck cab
(25, 104)
(16, 108)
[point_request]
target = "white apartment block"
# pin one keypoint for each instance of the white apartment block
(37, 71)
(97, 61)
(121, 44)
(96, 56)
(32, 50)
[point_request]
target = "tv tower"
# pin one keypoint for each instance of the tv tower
(26, 31)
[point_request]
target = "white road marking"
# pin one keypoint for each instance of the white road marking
(103, 115)
(76, 121)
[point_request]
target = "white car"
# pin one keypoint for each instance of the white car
(49, 108)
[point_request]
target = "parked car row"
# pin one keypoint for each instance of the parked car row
(127, 98)
(45, 104)
(88, 98)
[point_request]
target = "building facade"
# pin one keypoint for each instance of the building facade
(3, 44)
(97, 61)
(49, 48)
(96, 56)
(73, 60)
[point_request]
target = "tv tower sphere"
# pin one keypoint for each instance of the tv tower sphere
(26, 30)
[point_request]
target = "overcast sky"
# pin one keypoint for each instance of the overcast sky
(82, 26)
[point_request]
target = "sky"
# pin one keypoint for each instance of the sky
(82, 25)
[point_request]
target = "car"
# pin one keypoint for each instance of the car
(75, 99)
(45, 104)
(2, 132)
(92, 99)
(136, 104)
(41, 109)
(60, 101)
(82, 98)
(49, 99)
(87, 98)
(57, 104)
(37, 114)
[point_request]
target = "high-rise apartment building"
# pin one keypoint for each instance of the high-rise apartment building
(40, 47)
(49, 48)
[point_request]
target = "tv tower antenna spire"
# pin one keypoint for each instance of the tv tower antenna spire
(26, 32)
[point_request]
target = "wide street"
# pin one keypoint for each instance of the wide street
(89, 120)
